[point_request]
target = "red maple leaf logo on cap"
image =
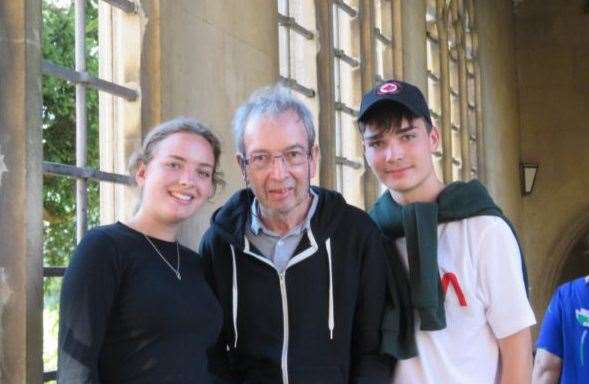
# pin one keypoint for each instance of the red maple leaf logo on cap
(388, 88)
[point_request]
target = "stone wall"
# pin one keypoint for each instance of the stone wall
(212, 55)
(552, 53)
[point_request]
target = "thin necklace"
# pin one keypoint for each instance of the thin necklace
(176, 270)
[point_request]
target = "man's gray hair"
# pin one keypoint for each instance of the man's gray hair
(271, 102)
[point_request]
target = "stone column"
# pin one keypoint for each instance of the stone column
(413, 44)
(21, 155)
(203, 58)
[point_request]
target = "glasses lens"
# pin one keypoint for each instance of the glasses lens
(295, 157)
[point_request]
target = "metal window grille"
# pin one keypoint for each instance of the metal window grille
(80, 172)
(453, 86)
(289, 30)
(473, 110)
(385, 35)
(347, 63)
(347, 91)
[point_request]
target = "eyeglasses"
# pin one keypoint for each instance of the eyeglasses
(264, 160)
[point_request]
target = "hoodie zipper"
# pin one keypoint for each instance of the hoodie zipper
(282, 280)
(284, 360)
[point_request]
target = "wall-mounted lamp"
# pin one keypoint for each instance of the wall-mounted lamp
(528, 176)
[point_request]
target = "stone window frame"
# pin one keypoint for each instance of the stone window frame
(119, 113)
(454, 90)
(348, 58)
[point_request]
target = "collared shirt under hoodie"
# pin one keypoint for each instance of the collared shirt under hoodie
(319, 320)
(275, 247)
(477, 266)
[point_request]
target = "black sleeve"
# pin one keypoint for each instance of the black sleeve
(369, 366)
(87, 295)
(219, 358)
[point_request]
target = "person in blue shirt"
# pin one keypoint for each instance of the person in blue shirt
(563, 344)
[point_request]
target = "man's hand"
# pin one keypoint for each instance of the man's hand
(547, 367)
(516, 358)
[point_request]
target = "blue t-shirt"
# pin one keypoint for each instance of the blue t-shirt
(565, 330)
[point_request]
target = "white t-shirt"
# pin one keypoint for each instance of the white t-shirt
(480, 262)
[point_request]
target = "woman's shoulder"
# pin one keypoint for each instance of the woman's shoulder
(105, 242)
(110, 233)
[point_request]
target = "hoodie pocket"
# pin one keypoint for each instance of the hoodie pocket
(317, 375)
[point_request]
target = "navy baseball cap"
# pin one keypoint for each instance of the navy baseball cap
(399, 92)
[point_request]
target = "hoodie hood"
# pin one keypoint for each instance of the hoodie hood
(230, 220)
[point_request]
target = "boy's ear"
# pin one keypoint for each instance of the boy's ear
(140, 175)
(434, 138)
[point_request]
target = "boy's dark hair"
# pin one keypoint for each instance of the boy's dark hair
(387, 116)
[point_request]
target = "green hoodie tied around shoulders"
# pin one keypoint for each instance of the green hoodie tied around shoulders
(418, 223)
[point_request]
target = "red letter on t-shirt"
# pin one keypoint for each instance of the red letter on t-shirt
(448, 278)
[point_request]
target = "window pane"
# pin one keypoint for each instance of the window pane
(284, 51)
(456, 172)
(433, 57)
(431, 13)
(434, 96)
(297, 54)
(455, 110)
(347, 82)
(51, 291)
(456, 145)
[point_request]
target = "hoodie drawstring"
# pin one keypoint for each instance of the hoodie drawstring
(331, 316)
(331, 319)
(234, 297)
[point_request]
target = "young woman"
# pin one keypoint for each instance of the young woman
(135, 307)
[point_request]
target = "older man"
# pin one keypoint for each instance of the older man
(299, 273)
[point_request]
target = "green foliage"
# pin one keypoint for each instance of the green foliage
(59, 137)
(58, 116)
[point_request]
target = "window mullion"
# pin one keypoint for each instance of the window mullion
(465, 135)
(81, 119)
(441, 21)
(479, 117)
(325, 85)
(370, 72)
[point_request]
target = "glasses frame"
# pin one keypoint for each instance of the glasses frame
(247, 161)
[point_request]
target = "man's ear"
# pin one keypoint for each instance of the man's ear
(140, 174)
(316, 153)
(239, 159)
(314, 160)
(241, 163)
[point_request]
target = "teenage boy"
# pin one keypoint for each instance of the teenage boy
(464, 263)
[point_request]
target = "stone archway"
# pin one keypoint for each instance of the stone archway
(577, 261)
(570, 258)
